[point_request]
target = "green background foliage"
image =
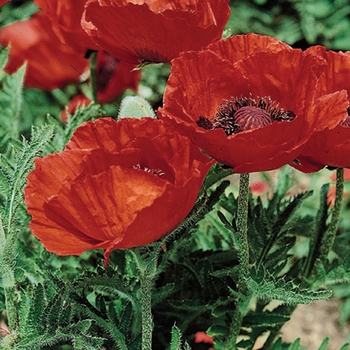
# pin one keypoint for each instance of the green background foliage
(74, 302)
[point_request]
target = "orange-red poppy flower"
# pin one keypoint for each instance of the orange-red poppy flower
(330, 147)
(202, 337)
(114, 77)
(253, 108)
(50, 64)
(74, 103)
(116, 185)
(65, 17)
(154, 31)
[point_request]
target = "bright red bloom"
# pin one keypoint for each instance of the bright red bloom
(114, 77)
(202, 337)
(155, 31)
(330, 147)
(65, 17)
(50, 64)
(2, 2)
(116, 185)
(253, 108)
(74, 103)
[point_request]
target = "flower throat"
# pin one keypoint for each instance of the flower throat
(241, 114)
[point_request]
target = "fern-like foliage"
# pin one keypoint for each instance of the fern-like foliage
(48, 317)
(265, 286)
(176, 341)
(10, 101)
(13, 177)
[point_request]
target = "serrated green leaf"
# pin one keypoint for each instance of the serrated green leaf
(84, 325)
(175, 339)
(3, 60)
(265, 286)
(11, 102)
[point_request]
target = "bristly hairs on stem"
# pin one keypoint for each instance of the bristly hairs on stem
(328, 238)
(147, 264)
(243, 256)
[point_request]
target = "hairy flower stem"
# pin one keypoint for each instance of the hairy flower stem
(243, 255)
(321, 246)
(328, 239)
(242, 229)
(93, 75)
(147, 264)
(146, 305)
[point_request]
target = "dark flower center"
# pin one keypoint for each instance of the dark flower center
(241, 114)
(346, 122)
(157, 172)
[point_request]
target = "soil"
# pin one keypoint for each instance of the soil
(312, 323)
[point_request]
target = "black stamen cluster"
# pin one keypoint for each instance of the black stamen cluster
(225, 116)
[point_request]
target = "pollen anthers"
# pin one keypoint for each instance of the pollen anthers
(241, 114)
(157, 172)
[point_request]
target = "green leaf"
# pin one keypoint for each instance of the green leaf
(265, 286)
(265, 319)
(3, 60)
(175, 339)
(135, 107)
(295, 345)
(84, 325)
(11, 102)
(324, 344)
(345, 347)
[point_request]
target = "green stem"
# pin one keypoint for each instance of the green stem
(328, 239)
(146, 304)
(243, 256)
(93, 75)
(147, 264)
(242, 229)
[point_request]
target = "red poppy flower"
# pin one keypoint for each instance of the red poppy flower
(154, 31)
(114, 77)
(50, 64)
(74, 103)
(2, 2)
(329, 147)
(202, 337)
(116, 185)
(252, 110)
(65, 17)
